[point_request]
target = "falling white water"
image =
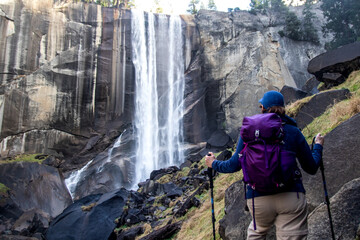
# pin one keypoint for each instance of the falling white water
(159, 77)
(109, 157)
(74, 178)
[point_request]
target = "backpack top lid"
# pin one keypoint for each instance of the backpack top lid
(266, 126)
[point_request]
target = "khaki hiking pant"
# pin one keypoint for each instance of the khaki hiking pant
(288, 211)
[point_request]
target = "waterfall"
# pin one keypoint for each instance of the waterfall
(110, 152)
(159, 86)
(74, 178)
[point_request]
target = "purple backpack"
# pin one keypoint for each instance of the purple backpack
(266, 166)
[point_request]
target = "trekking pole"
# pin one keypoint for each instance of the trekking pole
(326, 193)
(210, 173)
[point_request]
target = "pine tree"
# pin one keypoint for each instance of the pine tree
(211, 5)
(193, 7)
(279, 6)
(343, 21)
(258, 5)
(292, 27)
(309, 31)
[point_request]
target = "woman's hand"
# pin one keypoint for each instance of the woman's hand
(319, 139)
(209, 159)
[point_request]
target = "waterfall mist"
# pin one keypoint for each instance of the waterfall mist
(159, 78)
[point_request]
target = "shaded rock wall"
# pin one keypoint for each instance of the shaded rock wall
(36, 186)
(243, 56)
(65, 70)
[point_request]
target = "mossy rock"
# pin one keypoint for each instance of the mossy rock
(39, 158)
(3, 189)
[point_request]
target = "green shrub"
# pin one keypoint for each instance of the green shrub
(3, 189)
(26, 158)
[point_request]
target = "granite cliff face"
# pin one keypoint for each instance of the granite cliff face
(67, 79)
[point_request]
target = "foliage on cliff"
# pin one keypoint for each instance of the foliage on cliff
(25, 158)
(3, 189)
(343, 21)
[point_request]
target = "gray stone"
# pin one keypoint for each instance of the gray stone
(341, 162)
(37, 186)
(237, 219)
(77, 223)
(342, 60)
(345, 212)
(318, 105)
(32, 221)
(311, 86)
(292, 94)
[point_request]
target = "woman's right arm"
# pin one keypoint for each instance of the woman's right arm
(231, 165)
(309, 159)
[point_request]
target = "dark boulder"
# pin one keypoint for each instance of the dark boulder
(342, 60)
(8, 208)
(52, 161)
(154, 188)
(130, 234)
(190, 201)
(341, 162)
(134, 216)
(219, 139)
(92, 217)
(194, 157)
(154, 175)
(165, 232)
(151, 187)
(292, 94)
(331, 80)
(31, 223)
(35, 185)
(237, 219)
(218, 142)
(186, 164)
(318, 105)
(345, 211)
(16, 237)
(171, 190)
(224, 155)
(311, 86)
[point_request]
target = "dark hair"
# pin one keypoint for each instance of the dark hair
(276, 109)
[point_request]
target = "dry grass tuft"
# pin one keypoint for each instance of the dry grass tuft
(88, 207)
(344, 110)
(339, 112)
(293, 108)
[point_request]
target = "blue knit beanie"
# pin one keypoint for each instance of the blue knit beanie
(272, 98)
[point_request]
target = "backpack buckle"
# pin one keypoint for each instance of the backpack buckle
(257, 133)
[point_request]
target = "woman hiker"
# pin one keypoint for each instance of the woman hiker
(286, 209)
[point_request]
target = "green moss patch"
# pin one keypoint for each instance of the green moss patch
(25, 158)
(3, 189)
